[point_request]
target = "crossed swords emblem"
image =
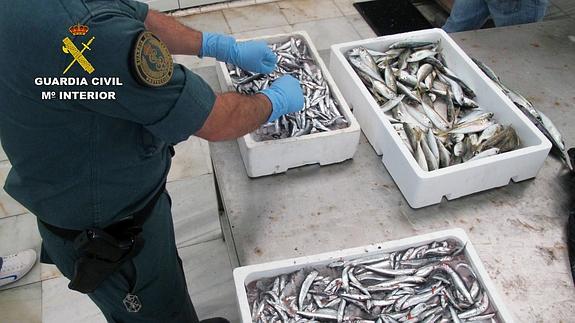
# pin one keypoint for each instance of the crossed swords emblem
(70, 48)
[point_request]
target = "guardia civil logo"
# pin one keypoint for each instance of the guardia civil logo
(78, 54)
(151, 61)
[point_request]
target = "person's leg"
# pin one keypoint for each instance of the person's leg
(150, 288)
(516, 12)
(466, 15)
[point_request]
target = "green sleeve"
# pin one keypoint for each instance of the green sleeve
(172, 112)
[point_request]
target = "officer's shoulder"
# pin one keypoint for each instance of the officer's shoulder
(99, 9)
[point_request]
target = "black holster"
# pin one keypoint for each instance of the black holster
(101, 255)
(101, 252)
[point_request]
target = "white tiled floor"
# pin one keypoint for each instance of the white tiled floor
(56, 300)
(330, 31)
(43, 296)
(254, 17)
(8, 206)
(211, 21)
(297, 11)
(195, 210)
(209, 279)
(22, 304)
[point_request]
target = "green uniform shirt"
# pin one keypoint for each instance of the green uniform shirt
(79, 163)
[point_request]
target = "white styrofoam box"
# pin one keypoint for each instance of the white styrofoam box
(421, 188)
(245, 275)
(277, 156)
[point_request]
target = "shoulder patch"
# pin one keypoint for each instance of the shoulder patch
(152, 63)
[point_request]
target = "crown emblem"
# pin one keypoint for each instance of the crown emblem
(79, 30)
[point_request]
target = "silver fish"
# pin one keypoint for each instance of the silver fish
(421, 55)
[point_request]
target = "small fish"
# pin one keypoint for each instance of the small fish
(435, 118)
(432, 161)
(390, 79)
(392, 103)
(420, 157)
(485, 153)
(411, 44)
(421, 118)
(305, 287)
(432, 143)
(421, 55)
(367, 59)
(444, 155)
(383, 90)
(403, 89)
(477, 125)
(423, 72)
(359, 64)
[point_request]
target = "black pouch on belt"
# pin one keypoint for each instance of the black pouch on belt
(103, 251)
(101, 254)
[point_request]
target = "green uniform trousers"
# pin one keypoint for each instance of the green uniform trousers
(155, 275)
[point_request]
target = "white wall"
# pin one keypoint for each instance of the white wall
(166, 5)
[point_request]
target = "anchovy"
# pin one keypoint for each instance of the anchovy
(305, 287)
(480, 309)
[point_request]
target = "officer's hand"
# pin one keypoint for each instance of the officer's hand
(253, 56)
(285, 95)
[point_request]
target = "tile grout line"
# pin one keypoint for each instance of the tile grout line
(189, 177)
(291, 25)
(337, 7)
(227, 24)
(221, 237)
(41, 300)
(347, 18)
(14, 215)
(283, 15)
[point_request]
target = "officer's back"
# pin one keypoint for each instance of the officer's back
(76, 163)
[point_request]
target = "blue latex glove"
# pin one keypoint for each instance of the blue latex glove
(285, 95)
(253, 56)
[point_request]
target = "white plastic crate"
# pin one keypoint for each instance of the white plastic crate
(421, 188)
(277, 156)
(245, 275)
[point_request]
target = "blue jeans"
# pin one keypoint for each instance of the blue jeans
(472, 14)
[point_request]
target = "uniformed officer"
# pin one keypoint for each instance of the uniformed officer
(92, 167)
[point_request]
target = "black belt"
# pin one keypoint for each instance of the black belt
(101, 252)
(137, 218)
